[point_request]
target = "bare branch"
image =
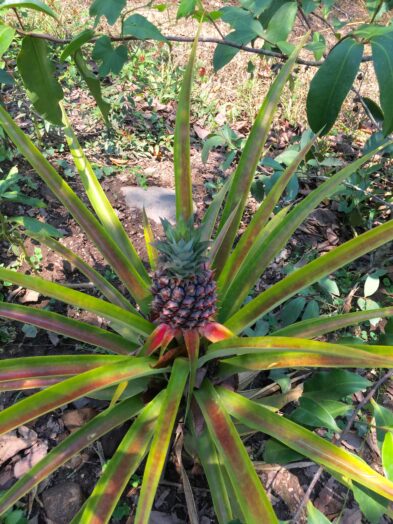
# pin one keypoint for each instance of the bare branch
(171, 38)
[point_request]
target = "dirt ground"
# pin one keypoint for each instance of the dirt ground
(64, 491)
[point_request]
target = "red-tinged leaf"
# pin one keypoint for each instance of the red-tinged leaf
(72, 389)
(131, 324)
(315, 327)
(67, 326)
(216, 258)
(210, 217)
(53, 366)
(112, 252)
(215, 332)
(258, 353)
(107, 289)
(191, 339)
(161, 440)
(170, 355)
(160, 338)
(243, 176)
(181, 146)
(34, 383)
(248, 488)
(152, 252)
(249, 238)
(118, 470)
(303, 441)
(264, 253)
(100, 202)
(250, 244)
(309, 274)
(70, 446)
(214, 471)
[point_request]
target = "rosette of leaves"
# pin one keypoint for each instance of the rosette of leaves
(166, 375)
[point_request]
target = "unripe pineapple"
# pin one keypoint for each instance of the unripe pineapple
(183, 287)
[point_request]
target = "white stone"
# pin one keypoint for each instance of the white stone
(159, 202)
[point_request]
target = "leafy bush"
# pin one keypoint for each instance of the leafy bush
(192, 384)
(265, 28)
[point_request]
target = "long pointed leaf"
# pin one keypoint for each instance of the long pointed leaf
(67, 326)
(309, 274)
(247, 486)
(181, 149)
(214, 254)
(131, 323)
(232, 267)
(72, 389)
(243, 176)
(53, 366)
(305, 442)
(100, 202)
(207, 454)
(210, 217)
(260, 219)
(257, 353)
(162, 435)
(92, 81)
(69, 447)
(192, 341)
(33, 383)
(122, 465)
(106, 288)
(315, 327)
(90, 225)
(152, 252)
(276, 241)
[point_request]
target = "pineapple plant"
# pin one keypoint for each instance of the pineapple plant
(184, 290)
(194, 298)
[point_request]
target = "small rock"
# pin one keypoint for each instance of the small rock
(62, 502)
(29, 296)
(76, 418)
(159, 202)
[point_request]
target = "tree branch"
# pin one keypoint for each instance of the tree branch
(171, 38)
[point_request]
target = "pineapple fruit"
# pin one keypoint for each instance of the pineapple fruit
(183, 287)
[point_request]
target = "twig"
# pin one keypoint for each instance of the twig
(339, 439)
(305, 19)
(19, 18)
(186, 39)
(377, 10)
(326, 22)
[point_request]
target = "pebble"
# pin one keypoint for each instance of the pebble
(62, 502)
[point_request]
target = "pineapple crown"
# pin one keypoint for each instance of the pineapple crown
(182, 253)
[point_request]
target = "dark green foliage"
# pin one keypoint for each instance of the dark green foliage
(331, 84)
